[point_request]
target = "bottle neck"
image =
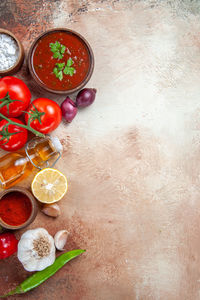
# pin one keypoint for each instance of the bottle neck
(41, 153)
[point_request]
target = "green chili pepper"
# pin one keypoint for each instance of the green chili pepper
(39, 277)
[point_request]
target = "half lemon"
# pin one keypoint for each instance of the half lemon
(49, 185)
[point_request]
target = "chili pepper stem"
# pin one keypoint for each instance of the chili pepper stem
(37, 133)
(17, 290)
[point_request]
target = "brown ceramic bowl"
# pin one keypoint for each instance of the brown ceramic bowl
(32, 201)
(42, 84)
(16, 67)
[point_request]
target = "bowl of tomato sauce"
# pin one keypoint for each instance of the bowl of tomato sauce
(61, 61)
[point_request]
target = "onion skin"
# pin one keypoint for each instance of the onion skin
(86, 97)
(69, 109)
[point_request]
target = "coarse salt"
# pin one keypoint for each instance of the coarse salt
(9, 52)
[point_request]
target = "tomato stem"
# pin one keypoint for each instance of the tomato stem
(6, 134)
(6, 101)
(34, 115)
(28, 127)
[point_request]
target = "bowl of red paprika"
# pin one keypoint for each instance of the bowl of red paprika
(18, 208)
(61, 61)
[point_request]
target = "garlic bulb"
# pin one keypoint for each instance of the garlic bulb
(36, 249)
(60, 239)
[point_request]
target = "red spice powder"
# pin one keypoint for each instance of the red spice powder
(15, 208)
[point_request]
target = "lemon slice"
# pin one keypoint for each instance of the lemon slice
(49, 185)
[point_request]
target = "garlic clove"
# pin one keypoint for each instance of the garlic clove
(60, 239)
(51, 210)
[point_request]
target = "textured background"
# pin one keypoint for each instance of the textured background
(132, 158)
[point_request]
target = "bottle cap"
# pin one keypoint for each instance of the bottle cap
(56, 143)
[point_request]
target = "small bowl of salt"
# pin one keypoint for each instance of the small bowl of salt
(11, 53)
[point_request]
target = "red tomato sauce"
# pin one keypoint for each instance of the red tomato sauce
(44, 62)
(15, 208)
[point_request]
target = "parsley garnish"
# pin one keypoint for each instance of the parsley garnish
(58, 70)
(69, 70)
(57, 49)
(61, 68)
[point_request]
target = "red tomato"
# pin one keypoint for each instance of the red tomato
(47, 111)
(15, 141)
(12, 88)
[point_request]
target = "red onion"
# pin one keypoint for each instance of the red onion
(69, 109)
(85, 97)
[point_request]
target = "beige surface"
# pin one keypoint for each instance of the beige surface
(132, 158)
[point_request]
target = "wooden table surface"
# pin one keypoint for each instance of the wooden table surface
(132, 158)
